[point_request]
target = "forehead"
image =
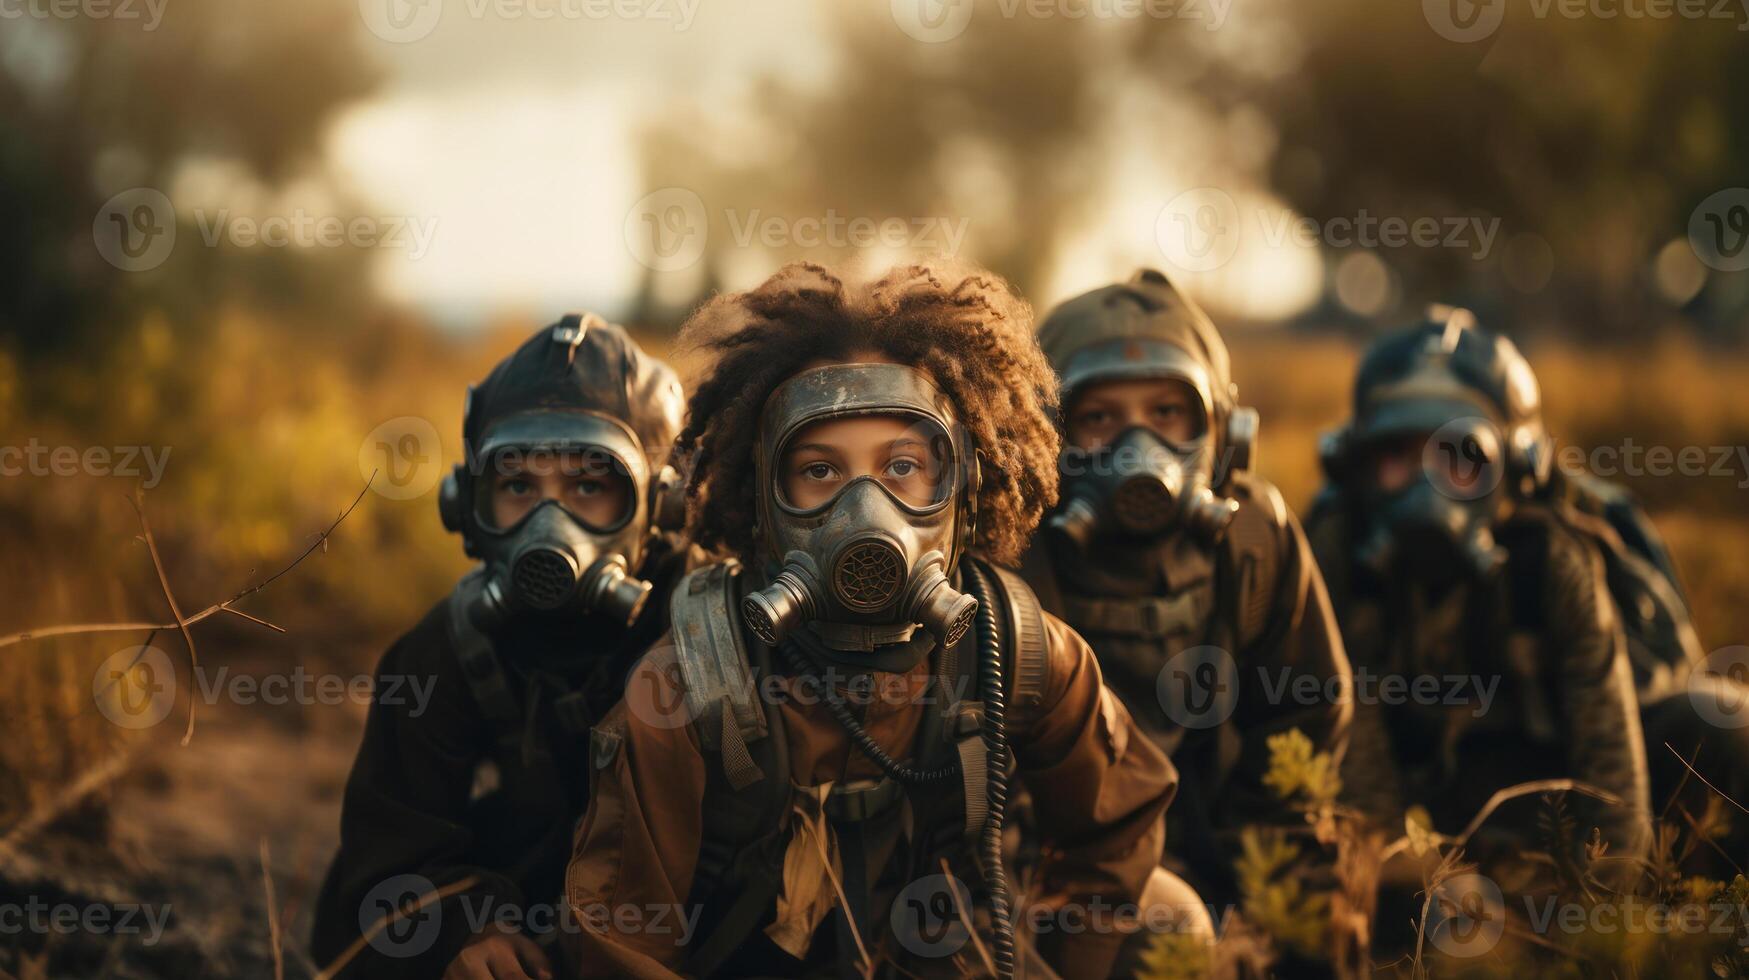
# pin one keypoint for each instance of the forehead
(1135, 390)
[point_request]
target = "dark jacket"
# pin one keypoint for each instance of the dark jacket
(447, 794)
(1545, 632)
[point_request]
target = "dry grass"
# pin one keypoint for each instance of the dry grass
(265, 421)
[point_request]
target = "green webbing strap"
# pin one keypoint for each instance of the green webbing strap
(738, 764)
(1145, 617)
(974, 771)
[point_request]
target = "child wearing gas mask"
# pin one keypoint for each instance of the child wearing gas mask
(1457, 547)
(1189, 576)
(563, 496)
(809, 776)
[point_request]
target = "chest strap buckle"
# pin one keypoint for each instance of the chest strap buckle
(861, 800)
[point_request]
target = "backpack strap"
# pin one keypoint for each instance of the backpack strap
(720, 692)
(1249, 562)
(747, 791)
(485, 674)
(1662, 642)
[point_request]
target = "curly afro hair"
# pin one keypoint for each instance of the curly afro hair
(966, 328)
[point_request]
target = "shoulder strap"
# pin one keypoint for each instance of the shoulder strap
(1662, 642)
(743, 805)
(721, 698)
(479, 661)
(1252, 555)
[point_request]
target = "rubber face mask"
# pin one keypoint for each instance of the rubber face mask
(874, 549)
(1438, 529)
(1139, 485)
(551, 559)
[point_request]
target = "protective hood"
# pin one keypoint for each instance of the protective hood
(578, 394)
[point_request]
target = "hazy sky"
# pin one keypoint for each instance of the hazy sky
(510, 128)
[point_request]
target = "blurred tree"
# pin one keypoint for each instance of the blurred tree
(97, 105)
(1592, 139)
(989, 126)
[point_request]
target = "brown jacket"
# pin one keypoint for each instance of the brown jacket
(1098, 789)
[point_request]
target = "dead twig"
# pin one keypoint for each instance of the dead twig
(273, 934)
(215, 609)
(139, 504)
(1703, 779)
(1502, 797)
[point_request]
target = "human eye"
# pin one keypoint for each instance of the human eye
(818, 469)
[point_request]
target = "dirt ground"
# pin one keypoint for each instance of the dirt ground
(186, 830)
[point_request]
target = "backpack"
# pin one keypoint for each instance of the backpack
(1642, 579)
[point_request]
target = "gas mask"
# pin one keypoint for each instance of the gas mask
(1139, 485)
(1138, 489)
(876, 559)
(551, 561)
(1439, 529)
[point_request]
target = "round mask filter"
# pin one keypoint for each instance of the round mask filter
(544, 578)
(868, 576)
(1143, 505)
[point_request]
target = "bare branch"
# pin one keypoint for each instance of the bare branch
(139, 505)
(1703, 779)
(226, 606)
(273, 933)
(1525, 789)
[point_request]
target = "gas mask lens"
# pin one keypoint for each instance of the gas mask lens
(910, 457)
(588, 483)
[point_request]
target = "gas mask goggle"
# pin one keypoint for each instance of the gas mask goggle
(556, 558)
(1139, 485)
(876, 557)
